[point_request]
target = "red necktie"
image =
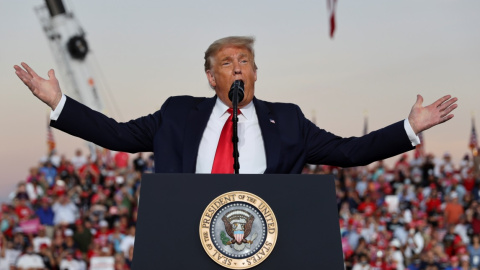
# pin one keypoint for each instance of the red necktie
(223, 162)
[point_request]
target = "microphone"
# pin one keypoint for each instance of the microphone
(238, 84)
(236, 94)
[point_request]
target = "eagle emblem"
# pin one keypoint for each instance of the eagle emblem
(238, 225)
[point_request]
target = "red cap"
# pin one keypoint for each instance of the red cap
(44, 245)
(462, 250)
(5, 208)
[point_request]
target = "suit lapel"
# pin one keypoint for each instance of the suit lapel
(195, 126)
(270, 134)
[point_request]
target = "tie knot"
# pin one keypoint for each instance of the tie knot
(230, 111)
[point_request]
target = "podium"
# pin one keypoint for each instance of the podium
(173, 208)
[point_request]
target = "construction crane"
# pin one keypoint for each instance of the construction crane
(71, 52)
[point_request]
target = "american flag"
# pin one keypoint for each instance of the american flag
(473, 144)
(50, 139)
(332, 6)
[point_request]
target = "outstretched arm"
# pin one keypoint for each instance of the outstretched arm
(423, 118)
(47, 91)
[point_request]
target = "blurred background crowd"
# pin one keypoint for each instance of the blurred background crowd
(80, 213)
(77, 213)
(422, 213)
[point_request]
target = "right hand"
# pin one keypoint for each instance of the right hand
(47, 91)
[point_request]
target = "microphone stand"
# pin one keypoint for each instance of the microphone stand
(236, 163)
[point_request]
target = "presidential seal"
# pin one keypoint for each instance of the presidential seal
(238, 230)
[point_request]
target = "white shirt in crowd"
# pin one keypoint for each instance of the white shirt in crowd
(29, 261)
(11, 255)
(38, 241)
(359, 266)
(102, 263)
(33, 192)
(398, 258)
(126, 243)
(72, 265)
(78, 161)
(67, 213)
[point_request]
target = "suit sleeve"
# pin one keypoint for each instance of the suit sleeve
(323, 147)
(134, 136)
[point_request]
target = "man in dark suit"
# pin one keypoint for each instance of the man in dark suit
(274, 137)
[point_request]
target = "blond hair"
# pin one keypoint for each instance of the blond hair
(240, 41)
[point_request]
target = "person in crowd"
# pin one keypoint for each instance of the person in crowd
(65, 211)
(395, 256)
(121, 262)
(22, 207)
(78, 160)
(29, 260)
(4, 265)
(415, 242)
(363, 263)
(90, 172)
(128, 241)
(47, 257)
(139, 163)
(103, 233)
(68, 261)
(121, 160)
(474, 251)
(68, 242)
(41, 239)
(116, 238)
(49, 172)
(46, 215)
(453, 209)
(34, 190)
(82, 235)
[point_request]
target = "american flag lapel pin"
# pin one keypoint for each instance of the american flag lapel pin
(272, 121)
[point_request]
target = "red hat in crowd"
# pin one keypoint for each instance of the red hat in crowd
(60, 192)
(348, 253)
(5, 208)
(461, 250)
(420, 223)
(43, 245)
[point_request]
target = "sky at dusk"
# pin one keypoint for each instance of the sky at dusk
(383, 54)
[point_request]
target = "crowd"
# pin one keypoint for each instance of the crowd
(73, 214)
(422, 213)
(80, 213)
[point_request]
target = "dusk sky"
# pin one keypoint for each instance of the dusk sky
(383, 54)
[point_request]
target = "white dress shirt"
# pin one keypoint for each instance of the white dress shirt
(252, 156)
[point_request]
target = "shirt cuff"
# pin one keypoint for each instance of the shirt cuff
(56, 113)
(414, 139)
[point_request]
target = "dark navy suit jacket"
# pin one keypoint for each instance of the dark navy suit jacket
(174, 132)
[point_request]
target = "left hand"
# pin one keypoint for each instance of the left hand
(423, 118)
